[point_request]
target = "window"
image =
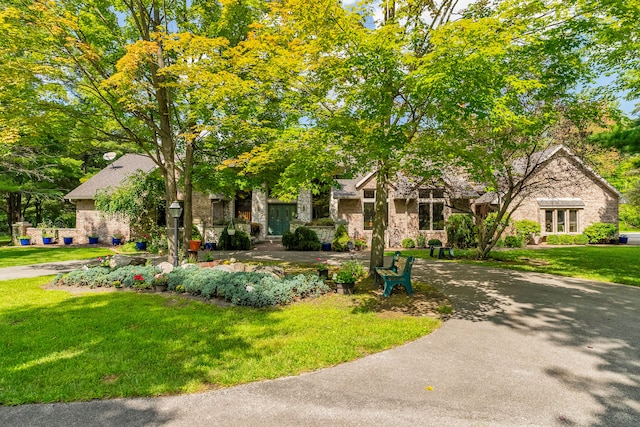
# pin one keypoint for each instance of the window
(561, 221)
(368, 208)
(368, 214)
(431, 209)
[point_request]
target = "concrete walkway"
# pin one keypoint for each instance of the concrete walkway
(522, 349)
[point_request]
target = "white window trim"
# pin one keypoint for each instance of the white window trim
(554, 225)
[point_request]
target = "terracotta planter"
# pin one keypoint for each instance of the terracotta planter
(194, 245)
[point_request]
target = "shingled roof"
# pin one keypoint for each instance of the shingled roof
(112, 176)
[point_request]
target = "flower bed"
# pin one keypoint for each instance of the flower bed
(243, 288)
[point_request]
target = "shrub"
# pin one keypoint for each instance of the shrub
(408, 243)
(581, 239)
(239, 241)
(567, 239)
(434, 242)
(341, 239)
(322, 222)
(303, 239)
(525, 228)
(514, 241)
(420, 241)
(251, 289)
(600, 232)
(553, 239)
(460, 231)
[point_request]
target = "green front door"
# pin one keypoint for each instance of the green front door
(279, 216)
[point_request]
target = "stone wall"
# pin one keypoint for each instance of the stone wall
(564, 178)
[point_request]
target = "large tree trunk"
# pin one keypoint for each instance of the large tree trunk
(380, 219)
(188, 193)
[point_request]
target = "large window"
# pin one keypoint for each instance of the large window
(431, 209)
(561, 220)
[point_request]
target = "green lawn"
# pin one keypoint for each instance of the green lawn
(27, 255)
(58, 347)
(616, 264)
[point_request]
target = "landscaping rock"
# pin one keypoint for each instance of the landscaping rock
(165, 267)
(119, 261)
(223, 267)
(270, 269)
(138, 261)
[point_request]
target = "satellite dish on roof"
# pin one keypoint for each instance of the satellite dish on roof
(109, 156)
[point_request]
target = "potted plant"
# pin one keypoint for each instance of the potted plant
(67, 240)
(345, 281)
(141, 242)
(323, 268)
(93, 239)
(160, 282)
(117, 239)
(346, 277)
(25, 240)
(421, 241)
(623, 239)
(48, 236)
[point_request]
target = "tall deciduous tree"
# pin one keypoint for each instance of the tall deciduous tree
(424, 83)
(148, 74)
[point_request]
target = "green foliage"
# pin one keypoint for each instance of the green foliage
(567, 239)
(408, 243)
(630, 216)
(239, 241)
(137, 198)
(322, 222)
(96, 277)
(525, 228)
(350, 271)
(341, 238)
(250, 289)
(460, 231)
(581, 239)
(434, 242)
(420, 241)
(513, 241)
(600, 232)
(303, 239)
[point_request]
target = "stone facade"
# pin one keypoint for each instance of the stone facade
(89, 221)
(570, 186)
(563, 184)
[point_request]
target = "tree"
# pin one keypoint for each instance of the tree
(423, 88)
(146, 74)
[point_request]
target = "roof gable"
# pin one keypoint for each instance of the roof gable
(112, 176)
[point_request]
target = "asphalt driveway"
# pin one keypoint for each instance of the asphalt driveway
(523, 349)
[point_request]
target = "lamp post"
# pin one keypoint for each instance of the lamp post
(176, 211)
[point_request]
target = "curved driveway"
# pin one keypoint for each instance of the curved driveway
(522, 349)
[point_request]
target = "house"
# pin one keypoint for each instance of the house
(272, 216)
(570, 197)
(89, 221)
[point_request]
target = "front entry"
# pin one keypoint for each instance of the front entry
(279, 216)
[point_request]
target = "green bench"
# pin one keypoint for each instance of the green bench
(398, 273)
(442, 251)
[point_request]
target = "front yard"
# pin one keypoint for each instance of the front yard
(58, 346)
